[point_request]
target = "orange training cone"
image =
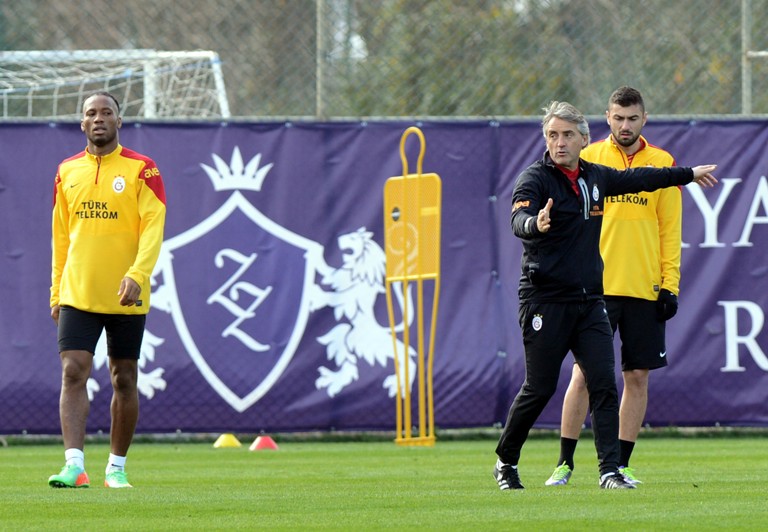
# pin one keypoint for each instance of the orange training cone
(263, 442)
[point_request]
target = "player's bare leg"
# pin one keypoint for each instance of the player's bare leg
(73, 403)
(125, 414)
(125, 404)
(575, 407)
(73, 410)
(634, 402)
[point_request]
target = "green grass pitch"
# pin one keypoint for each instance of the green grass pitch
(690, 484)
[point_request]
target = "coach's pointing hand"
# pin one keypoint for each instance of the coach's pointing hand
(542, 220)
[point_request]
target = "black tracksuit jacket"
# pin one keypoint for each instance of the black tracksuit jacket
(564, 264)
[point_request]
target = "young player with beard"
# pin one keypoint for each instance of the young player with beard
(641, 246)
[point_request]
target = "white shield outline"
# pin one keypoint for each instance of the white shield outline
(314, 261)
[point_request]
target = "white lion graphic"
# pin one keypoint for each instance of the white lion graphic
(355, 287)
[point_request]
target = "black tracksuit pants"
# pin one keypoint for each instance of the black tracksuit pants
(550, 330)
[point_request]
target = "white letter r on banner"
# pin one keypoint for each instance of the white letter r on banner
(732, 338)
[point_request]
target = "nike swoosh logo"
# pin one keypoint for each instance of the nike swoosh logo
(73, 185)
(663, 354)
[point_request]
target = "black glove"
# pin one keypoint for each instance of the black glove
(666, 305)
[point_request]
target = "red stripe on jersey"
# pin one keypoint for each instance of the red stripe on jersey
(149, 174)
(56, 187)
(58, 177)
(75, 156)
(155, 183)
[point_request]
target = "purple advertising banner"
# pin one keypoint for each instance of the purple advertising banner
(268, 304)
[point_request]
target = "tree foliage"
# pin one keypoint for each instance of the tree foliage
(353, 58)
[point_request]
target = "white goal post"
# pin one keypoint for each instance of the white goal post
(51, 84)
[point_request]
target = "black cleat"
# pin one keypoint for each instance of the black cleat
(616, 481)
(507, 477)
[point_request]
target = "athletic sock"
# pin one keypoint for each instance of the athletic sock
(500, 464)
(625, 452)
(75, 457)
(115, 463)
(567, 450)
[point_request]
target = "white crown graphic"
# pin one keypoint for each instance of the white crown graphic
(236, 175)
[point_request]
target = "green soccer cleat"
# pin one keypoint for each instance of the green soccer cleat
(116, 479)
(70, 476)
(629, 475)
(560, 476)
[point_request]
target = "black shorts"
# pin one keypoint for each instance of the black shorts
(80, 331)
(643, 344)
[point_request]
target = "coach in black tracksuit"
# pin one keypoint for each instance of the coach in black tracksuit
(557, 213)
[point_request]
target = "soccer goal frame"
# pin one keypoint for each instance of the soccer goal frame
(150, 84)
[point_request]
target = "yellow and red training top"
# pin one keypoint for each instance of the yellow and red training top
(642, 233)
(108, 220)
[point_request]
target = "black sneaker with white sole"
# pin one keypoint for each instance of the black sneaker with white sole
(507, 477)
(616, 481)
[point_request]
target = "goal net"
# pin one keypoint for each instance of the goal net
(52, 84)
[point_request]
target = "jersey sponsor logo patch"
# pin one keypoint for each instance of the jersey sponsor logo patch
(633, 199)
(520, 205)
